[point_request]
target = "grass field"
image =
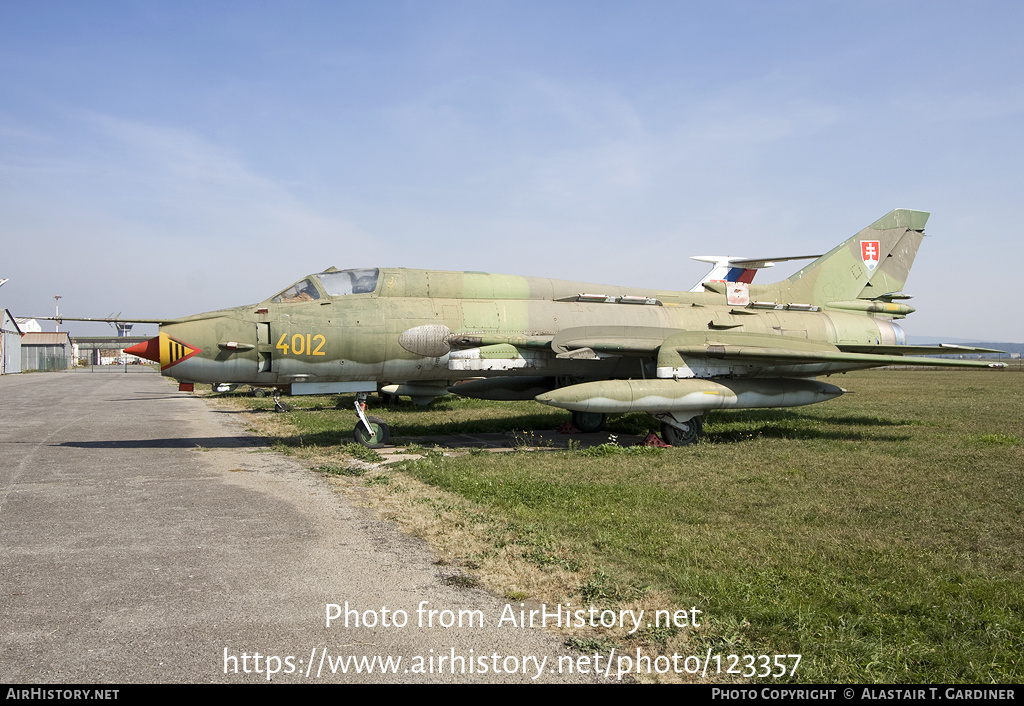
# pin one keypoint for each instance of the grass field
(879, 535)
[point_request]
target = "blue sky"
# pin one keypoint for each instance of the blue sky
(165, 158)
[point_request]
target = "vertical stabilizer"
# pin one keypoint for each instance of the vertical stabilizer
(873, 263)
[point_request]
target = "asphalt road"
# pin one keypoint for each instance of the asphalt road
(146, 537)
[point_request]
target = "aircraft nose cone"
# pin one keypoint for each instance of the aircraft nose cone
(150, 350)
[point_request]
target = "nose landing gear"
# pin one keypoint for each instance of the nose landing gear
(280, 406)
(371, 432)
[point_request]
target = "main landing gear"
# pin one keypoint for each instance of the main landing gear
(589, 422)
(674, 432)
(371, 432)
(680, 433)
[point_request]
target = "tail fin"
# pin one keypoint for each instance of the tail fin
(870, 265)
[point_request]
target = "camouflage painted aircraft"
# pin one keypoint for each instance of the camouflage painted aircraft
(591, 349)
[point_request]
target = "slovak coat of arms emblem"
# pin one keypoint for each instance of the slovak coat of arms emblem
(869, 253)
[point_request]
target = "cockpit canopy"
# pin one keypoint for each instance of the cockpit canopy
(335, 283)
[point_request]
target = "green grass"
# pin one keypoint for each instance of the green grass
(879, 535)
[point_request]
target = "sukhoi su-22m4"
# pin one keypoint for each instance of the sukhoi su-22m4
(591, 349)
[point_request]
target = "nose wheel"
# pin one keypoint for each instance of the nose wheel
(280, 406)
(371, 432)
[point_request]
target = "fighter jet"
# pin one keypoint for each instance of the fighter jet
(591, 349)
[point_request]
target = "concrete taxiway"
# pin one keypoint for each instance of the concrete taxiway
(145, 537)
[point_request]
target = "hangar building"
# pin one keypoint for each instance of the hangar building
(46, 351)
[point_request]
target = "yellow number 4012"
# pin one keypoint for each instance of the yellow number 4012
(302, 344)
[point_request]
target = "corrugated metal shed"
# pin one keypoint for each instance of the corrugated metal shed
(46, 338)
(46, 351)
(10, 344)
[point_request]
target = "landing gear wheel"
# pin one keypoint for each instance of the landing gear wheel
(259, 392)
(675, 436)
(280, 406)
(589, 422)
(381, 433)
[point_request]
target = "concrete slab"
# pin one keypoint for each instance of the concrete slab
(147, 538)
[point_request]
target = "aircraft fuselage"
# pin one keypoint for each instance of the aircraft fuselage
(355, 338)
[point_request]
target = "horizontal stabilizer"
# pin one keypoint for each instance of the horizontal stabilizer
(749, 263)
(727, 268)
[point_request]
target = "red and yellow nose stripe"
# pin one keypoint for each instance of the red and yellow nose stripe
(164, 350)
